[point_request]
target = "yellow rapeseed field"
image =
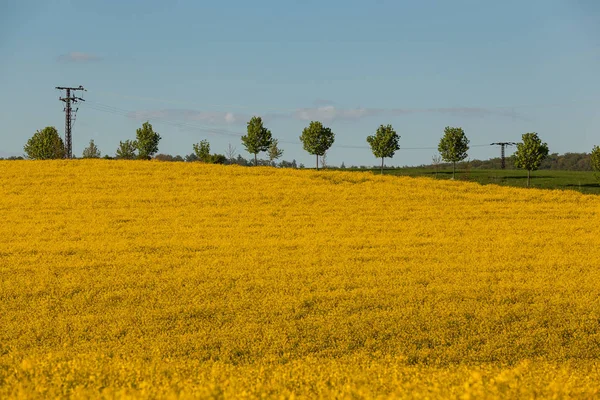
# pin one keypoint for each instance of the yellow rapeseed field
(163, 280)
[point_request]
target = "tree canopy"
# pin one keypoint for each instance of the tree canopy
(317, 139)
(453, 146)
(147, 141)
(91, 151)
(202, 151)
(384, 143)
(530, 153)
(45, 145)
(257, 139)
(595, 161)
(274, 151)
(126, 150)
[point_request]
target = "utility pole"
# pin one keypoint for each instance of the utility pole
(502, 153)
(68, 99)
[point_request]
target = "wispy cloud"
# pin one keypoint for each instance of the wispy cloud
(323, 102)
(77, 57)
(208, 117)
(466, 111)
(326, 113)
(330, 113)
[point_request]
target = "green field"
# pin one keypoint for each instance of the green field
(582, 181)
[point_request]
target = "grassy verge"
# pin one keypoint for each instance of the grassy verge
(581, 181)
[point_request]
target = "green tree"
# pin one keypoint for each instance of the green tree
(595, 161)
(126, 150)
(257, 139)
(384, 143)
(91, 151)
(530, 153)
(453, 146)
(192, 157)
(45, 145)
(274, 151)
(202, 151)
(217, 159)
(317, 139)
(147, 141)
(168, 158)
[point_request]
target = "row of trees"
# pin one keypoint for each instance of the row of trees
(453, 146)
(235, 159)
(316, 139)
(531, 151)
(47, 144)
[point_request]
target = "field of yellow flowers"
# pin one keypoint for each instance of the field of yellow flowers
(149, 279)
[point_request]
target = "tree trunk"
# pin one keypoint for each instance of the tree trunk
(317, 162)
(255, 160)
(528, 177)
(453, 169)
(381, 165)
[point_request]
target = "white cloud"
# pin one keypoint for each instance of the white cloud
(325, 113)
(209, 117)
(230, 118)
(331, 113)
(76, 56)
(323, 102)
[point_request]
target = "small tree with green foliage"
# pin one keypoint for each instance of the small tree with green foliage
(257, 139)
(595, 161)
(202, 151)
(126, 150)
(317, 139)
(217, 159)
(192, 157)
(453, 146)
(91, 151)
(147, 141)
(384, 143)
(274, 151)
(530, 153)
(45, 145)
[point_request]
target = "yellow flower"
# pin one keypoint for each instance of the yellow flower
(138, 279)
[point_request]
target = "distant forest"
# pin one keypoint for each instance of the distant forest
(563, 162)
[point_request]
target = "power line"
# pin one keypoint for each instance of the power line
(272, 108)
(219, 131)
(167, 101)
(126, 113)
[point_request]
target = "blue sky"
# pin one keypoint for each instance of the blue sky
(200, 69)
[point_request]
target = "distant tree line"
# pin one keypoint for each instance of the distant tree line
(12, 158)
(531, 153)
(555, 161)
(236, 160)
